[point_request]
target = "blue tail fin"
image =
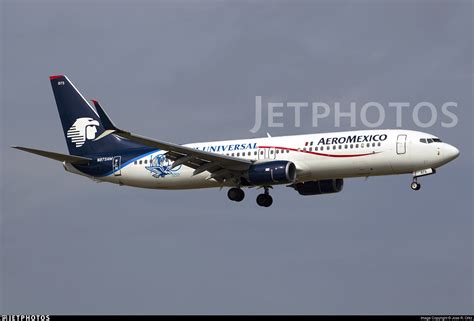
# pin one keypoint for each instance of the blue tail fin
(81, 123)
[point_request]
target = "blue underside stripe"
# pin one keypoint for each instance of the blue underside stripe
(130, 161)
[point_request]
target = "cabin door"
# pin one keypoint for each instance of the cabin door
(116, 165)
(401, 144)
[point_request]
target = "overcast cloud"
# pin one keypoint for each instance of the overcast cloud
(189, 71)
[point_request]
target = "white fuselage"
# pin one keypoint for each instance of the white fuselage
(316, 157)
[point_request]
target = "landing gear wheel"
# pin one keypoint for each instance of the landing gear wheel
(264, 200)
(415, 186)
(236, 194)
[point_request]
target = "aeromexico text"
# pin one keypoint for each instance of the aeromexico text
(352, 139)
(322, 141)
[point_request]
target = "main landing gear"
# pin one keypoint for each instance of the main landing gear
(237, 195)
(265, 199)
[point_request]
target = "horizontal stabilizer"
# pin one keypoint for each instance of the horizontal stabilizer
(56, 156)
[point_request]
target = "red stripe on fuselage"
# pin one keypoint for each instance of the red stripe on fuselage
(319, 154)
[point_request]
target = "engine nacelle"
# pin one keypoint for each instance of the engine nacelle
(272, 172)
(325, 186)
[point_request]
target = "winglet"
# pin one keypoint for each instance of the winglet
(109, 126)
(104, 118)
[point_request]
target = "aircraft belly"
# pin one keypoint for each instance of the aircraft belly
(181, 179)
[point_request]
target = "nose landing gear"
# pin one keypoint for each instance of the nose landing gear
(419, 173)
(265, 199)
(415, 185)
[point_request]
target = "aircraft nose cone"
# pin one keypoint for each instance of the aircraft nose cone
(451, 152)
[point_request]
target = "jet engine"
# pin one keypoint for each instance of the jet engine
(272, 172)
(325, 186)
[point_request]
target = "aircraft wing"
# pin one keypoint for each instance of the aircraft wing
(219, 166)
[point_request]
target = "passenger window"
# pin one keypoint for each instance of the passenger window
(255, 153)
(345, 146)
(340, 146)
(334, 147)
(232, 154)
(357, 145)
(380, 144)
(238, 154)
(146, 161)
(311, 149)
(140, 162)
(373, 144)
(271, 152)
(316, 149)
(135, 162)
(352, 145)
(261, 152)
(311, 144)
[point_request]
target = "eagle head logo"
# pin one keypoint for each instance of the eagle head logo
(83, 129)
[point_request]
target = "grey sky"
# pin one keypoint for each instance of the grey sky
(189, 71)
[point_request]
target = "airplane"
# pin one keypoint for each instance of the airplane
(311, 164)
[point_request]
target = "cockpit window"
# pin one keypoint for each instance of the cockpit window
(430, 140)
